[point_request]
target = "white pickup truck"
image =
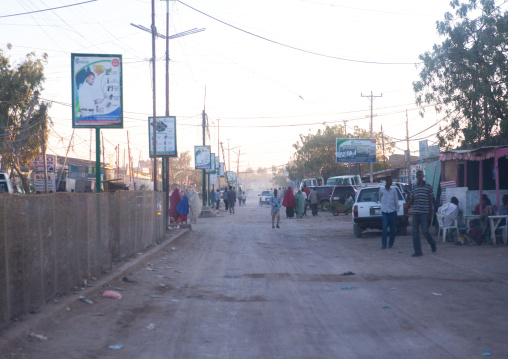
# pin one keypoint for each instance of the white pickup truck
(367, 211)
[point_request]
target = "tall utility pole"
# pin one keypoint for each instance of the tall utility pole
(218, 152)
(154, 130)
(371, 116)
(383, 140)
(229, 158)
(408, 153)
(203, 177)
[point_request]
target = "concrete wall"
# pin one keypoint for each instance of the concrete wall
(51, 243)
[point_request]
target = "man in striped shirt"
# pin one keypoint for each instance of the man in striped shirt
(422, 200)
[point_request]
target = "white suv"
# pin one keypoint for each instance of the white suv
(367, 211)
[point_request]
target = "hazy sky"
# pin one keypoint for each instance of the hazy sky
(272, 69)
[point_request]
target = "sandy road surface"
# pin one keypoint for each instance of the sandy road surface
(234, 287)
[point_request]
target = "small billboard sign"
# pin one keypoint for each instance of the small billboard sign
(38, 163)
(165, 128)
(211, 170)
(349, 150)
(202, 157)
(221, 169)
(96, 91)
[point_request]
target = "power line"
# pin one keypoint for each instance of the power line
(50, 9)
(297, 48)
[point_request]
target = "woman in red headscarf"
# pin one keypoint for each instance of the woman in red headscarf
(174, 199)
(289, 203)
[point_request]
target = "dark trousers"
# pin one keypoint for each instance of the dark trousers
(421, 220)
(314, 207)
(226, 204)
(389, 221)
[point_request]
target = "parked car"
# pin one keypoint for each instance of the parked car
(327, 194)
(367, 211)
(264, 197)
(5, 183)
(312, 182)
(348, 180)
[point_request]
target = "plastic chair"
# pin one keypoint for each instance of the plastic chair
(440, 220)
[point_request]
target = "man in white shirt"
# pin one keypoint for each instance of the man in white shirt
(389, 204)
(89, 96)
(450, 210)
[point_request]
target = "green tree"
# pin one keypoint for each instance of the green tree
(23, 119)
(315, 153)
(465, 76)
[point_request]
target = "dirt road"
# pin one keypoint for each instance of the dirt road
(234, 287)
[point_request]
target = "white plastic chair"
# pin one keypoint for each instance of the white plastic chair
(440, 220)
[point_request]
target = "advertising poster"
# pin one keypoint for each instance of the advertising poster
(221, 169)
(166, 136)
(355, 150)
(202, 157)
(213, 179)
(39, 182)
(212, 164)
(230, 176)
(96, 91)
(217, 164)
(38, 163)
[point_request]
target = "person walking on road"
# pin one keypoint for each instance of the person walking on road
(275, 208)
(422, 197)
(231, 199)
(240, 194)
(289, 203)
(217, 199)
(183, 208)
(226, 198)
(314, 202)
(174, 199)
(299, 204)
(195, 206)
(389, 204)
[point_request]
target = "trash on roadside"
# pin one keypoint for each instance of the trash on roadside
(116, 346)
(486, 353)
(111, 294)
(150, 326)
(127, 280)
(173, 248)
(347, 287)
(38, 336)
(115, 288)
(437, 294)
(155, 296)
(85, 300)
(348, 273)
(386, 307)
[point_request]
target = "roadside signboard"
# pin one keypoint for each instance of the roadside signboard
(211, 170)
(39, 182)
(166, 136)
(38, 163)
(202, 157)
(230, 176)
(217, 164)
(221, 169)
(96, 91)
(350, 150)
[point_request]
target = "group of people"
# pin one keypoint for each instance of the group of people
(180, 207)
(229, 197)
(421, 198)
(295, 203)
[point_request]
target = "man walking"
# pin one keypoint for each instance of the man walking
(217, 198)
(422, 197)
(240, 193)
(225, 198)
(231, 199)
(314, 202)
(389, 204)
(275, 208)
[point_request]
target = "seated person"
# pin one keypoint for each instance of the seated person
(474, 234)
(488, 210)
(450, 210)
(477, 209)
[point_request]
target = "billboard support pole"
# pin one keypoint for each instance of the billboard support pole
(97, 159)
(371, 132)
(203, 177)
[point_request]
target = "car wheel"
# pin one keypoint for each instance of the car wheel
(322, 205)
(358, 230)
(402, 231)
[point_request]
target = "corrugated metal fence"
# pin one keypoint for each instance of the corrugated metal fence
(51, 243)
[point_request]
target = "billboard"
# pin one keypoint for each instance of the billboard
(39, 182)
(230, 176)
(38, 163)
(221, 169)
(427, 151)
(96, 91)
(353, 150)
(211, 170)
(166, 136)
(202, 157)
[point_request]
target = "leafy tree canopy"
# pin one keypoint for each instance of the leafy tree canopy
(465, 77)
(315, 153)
(22, 117)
